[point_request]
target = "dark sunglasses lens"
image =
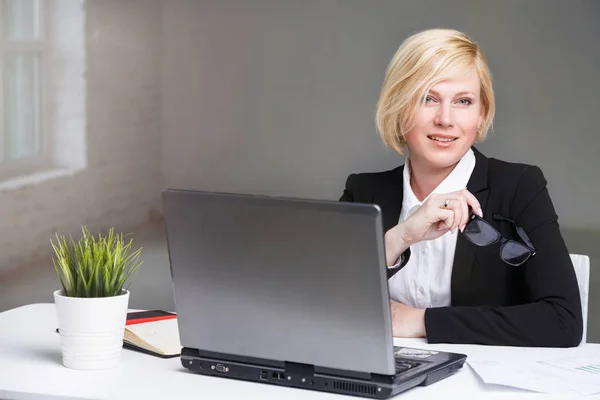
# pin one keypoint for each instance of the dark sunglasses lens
(514, 253)
(523, 236)
(480, 233)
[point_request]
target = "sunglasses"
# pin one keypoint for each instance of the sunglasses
(481, 233)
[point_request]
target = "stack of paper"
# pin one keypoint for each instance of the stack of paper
(565, 371)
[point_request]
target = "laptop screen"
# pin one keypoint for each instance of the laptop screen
(280, 279)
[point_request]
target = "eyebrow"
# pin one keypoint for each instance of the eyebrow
(457, 94)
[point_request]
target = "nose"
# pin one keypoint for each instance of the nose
(444, 117)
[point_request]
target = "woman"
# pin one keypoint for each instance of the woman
(452, 277)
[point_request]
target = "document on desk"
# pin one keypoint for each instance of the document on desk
(557, 371)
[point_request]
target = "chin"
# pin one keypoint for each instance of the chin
(444, 159)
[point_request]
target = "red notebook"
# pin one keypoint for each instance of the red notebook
(153, 332)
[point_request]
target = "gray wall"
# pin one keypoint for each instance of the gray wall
(278, 97)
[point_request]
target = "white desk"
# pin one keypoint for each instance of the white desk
(31, 368)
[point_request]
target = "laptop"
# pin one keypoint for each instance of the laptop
(289, 292)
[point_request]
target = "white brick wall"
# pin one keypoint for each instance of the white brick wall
(121, 184)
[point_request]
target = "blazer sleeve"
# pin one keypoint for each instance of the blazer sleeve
(552, 317)
(349, 195)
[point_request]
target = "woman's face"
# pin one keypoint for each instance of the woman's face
(446, 124)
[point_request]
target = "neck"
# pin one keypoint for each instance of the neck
(424, 179)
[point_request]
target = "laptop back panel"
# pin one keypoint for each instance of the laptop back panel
(293, 280)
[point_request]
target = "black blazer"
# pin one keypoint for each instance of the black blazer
(536, 304)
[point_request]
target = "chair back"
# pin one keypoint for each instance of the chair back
(581, 263)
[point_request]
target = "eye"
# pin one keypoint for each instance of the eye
(428, 99)
(465, 102)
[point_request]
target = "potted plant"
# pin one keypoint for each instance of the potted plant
(95, 273)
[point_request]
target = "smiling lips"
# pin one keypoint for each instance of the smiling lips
(442, 139)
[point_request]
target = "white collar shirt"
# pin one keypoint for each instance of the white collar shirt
(424, 281)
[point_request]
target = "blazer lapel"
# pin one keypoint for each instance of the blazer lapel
(464, 256)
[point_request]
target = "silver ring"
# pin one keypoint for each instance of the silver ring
(446, 203)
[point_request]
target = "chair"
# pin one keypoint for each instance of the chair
(581, 263)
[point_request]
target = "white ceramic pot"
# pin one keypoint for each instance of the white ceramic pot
(91, 330)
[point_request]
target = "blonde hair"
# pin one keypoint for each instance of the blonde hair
(421, 61)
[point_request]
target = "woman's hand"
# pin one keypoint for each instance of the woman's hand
(407, 322)
(439, 214)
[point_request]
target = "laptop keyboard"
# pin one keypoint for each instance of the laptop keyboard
(405, 365)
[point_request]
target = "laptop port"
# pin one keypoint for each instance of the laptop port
(278, 375)
(221, 368)
(264, 375)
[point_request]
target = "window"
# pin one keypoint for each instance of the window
(24, 143)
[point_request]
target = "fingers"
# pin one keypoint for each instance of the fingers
(459, 203)
(472, 202)
(454, 205)
(447, 217)
(464, 209)
(465, 213)
(439, 213)
(451, 211)
(441, 226)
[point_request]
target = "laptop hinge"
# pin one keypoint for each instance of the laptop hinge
(299, 369)
(344, 373)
